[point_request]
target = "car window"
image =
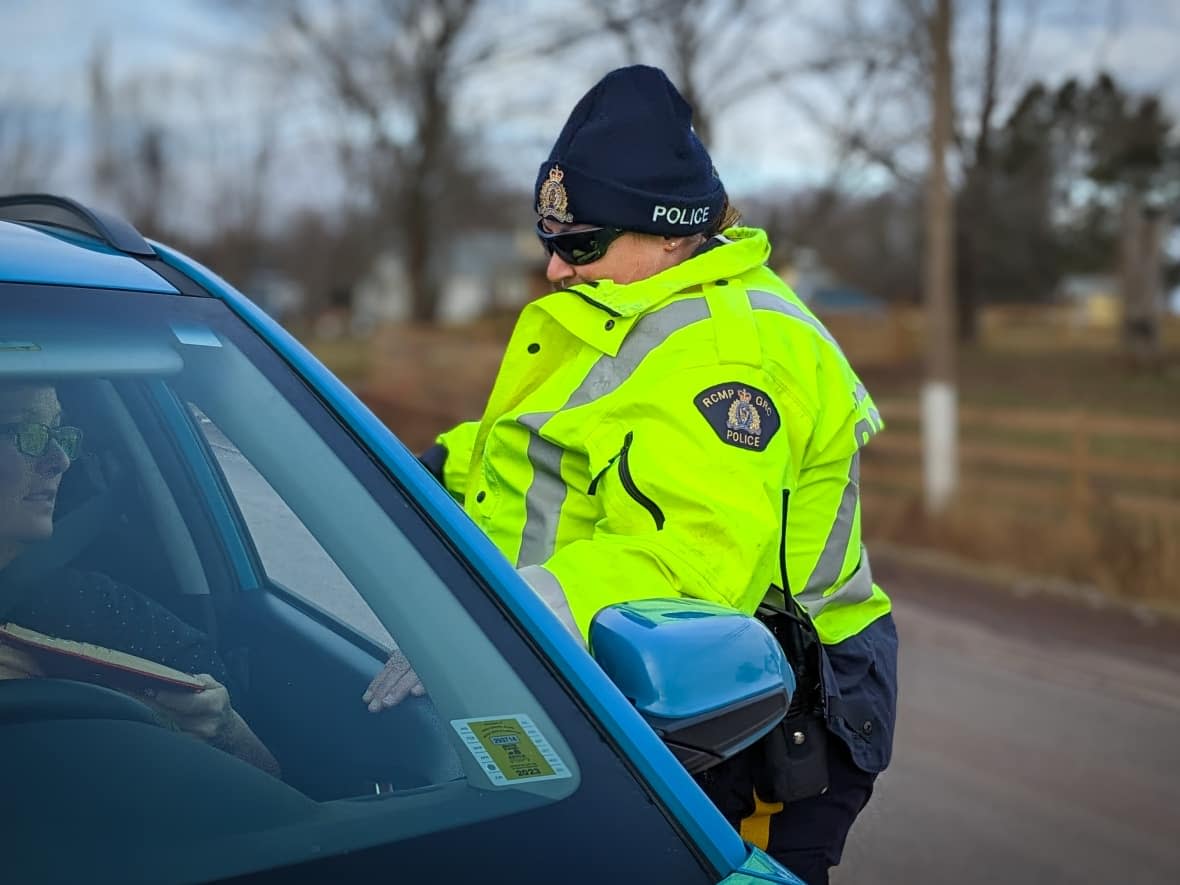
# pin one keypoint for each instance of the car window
(290, 554)
(221, 523)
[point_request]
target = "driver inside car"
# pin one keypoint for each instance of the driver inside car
(35, 452)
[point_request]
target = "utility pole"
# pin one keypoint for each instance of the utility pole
(1141, 279)
(940, 458)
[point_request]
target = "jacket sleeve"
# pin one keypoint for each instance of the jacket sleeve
(689, 508)
(459, 443)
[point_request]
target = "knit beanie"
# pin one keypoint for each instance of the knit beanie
(628, 157)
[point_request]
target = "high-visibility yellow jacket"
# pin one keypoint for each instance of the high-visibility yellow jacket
(651, 440)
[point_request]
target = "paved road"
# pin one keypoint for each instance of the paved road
(1038, 742)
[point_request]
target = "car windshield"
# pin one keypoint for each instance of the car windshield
(213, 552)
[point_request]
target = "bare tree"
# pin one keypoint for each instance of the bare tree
(720, 53)
(702, 41)
(885, 66)
(132, 160)
(974, 202)
(873, 67)
(391, 68)
(29, 142)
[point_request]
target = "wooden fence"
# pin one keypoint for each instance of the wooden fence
(1084, 496)
(898, 335)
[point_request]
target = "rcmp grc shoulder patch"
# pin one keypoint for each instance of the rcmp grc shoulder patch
(741, 415)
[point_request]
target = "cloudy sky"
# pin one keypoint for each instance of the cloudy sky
(184, 50)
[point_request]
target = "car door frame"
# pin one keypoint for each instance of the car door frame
(664, 776)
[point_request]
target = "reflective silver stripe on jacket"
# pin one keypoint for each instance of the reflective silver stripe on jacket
(858, 588)
(830, 564)
(760, 300)
(544, 500)
(769, 301)
(861, 394)
(547, 491)
(549, 589)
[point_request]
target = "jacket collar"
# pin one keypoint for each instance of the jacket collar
(602, 312)
(744, 249)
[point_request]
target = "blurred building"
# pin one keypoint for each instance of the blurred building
(486, 271)
(870, 331)
(1092, 300)
(275, 292)
(822, 291)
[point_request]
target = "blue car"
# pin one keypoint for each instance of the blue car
(209, 548)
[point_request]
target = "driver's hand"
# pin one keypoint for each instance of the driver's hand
(203, 714)
(393, 684)
(16, 663)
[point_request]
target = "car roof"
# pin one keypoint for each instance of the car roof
(53, 240)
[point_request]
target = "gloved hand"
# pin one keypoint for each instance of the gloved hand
(433, 459)
(396, 682)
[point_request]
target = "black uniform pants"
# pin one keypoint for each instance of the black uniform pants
(806, 836)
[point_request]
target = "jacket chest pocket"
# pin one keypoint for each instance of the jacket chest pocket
(622, 462)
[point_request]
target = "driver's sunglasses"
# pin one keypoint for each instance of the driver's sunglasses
(33, 439)
(578, 246)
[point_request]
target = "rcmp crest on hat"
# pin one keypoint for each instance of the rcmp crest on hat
(552, 200)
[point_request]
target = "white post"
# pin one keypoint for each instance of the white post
(940, 444)
(939, 398)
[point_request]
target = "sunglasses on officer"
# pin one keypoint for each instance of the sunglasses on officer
(578, 246)
(32, 439)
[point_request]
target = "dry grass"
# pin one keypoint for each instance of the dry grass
(1122, 535)
(349, 358)
(1127, 555)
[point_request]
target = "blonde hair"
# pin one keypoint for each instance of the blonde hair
(729, 216)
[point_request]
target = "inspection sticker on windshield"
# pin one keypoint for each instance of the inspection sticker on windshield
(510, 749)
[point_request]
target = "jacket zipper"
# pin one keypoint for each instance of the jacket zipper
(629, 482)
(782, 547)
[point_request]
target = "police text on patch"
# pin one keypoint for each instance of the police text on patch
(739, 414)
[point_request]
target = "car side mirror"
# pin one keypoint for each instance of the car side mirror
(708, 679)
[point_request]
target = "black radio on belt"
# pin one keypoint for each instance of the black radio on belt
(795, 753)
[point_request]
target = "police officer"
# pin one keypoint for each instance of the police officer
(673, 421)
